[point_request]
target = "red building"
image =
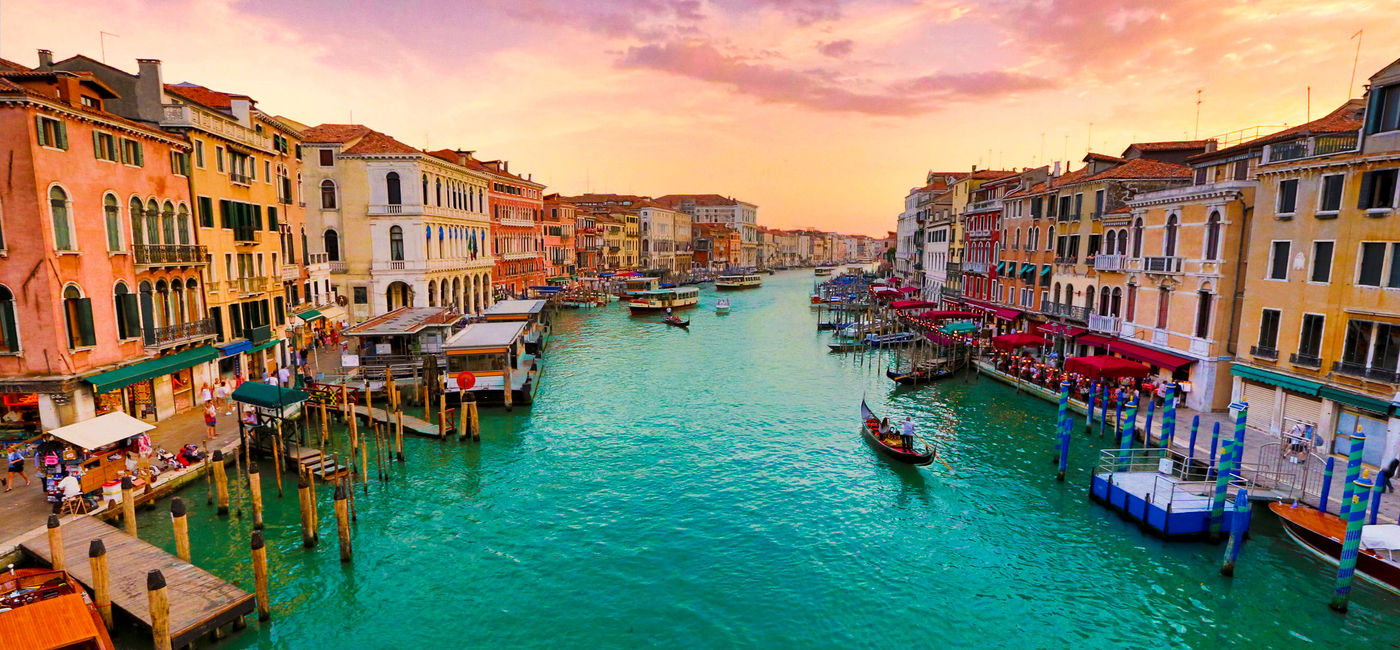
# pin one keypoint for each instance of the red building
(517, 227)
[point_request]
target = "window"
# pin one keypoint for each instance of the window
(179, 163)
(1169, 238)
(1377, 190)
(1372, 264)
(439, 192)
(1310, 336)
(1164, 297)
(182, 223)
(1287, 196)
(391, 182)
(1098, 203)
(1200, 176)
(327, 158)
(206, 212)
(1278, 260)
(152, 222)
(1384, 112)
(135, 208)
(1322, 262)
(62, 220)
(104, 146)
(1268, 329)
(199, 154)
(327, 194)
(1357, 345)
(51, 132)
(128, 312)
(111, 214)
(1203, 301)
(1137, 238)
(1330, 196)
(267, 171)
(332, 242)
(77, 312)
(219, 161)
(167, 222)
(1212, 249)
(361, 295)
(132, 154)
(272, 218)
(9, 334)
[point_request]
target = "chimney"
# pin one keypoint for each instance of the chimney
(150, 91)
(505, 166)
(242, 109)
(1056, 172)
(974, 168)
(45, 60)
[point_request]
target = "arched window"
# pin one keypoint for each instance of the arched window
(1104, 294)
(1057, 292)
(1213, 236)
(1089, 296)
(167, 222)
(1110, 240)
(77, 313)
(128, 318)
(177, 302)
(1050, 239)
(9, 332)
(62, 220)
(152, 222)
(113, 219)
(137, 238)
(391, 182)
(432, 292)
(1137, 238)
(332, 246)
(396, 243)
(439, 192)
(1123, 241)
(425, 189)
(328, 194)
(192, 299)
(182, 223)
(1117, 302)
(1169, 239)
(162, 304)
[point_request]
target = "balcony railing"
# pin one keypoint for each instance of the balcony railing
(949, 292)
(382, 209)
(1108, 262)
(1063, 310)
(1364, 372)
(241, 179)
(246, 285)
(975, 267)
(1320, 145)
(178, 254)
(1161, 264)
(338, 266)
(184, 332)
(1305, 360)
(1105, 324)
(261, 334)
(1261, 352)
(953, 267)
(290, 271)
(187, 116)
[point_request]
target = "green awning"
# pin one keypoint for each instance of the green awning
(111, 380)
(1044, 271)
(958, 328)
(265, 345)
(1364, 402)
(267, 395)
(1276, 379)
(310, 315)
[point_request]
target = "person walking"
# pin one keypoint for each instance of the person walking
(221, 393)
(16, 466)
(1389, 473)
(206, 394)
(210, 419)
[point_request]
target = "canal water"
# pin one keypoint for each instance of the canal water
(709, 488)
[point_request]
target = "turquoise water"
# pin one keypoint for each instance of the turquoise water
(709, 488)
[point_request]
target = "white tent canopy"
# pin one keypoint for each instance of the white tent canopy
(101, 430)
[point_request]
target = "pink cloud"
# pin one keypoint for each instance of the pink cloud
(836, 49)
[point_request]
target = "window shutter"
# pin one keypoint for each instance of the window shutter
(61, 130)
(85, 331)
(224, 214)
(7, 321)
(272, 218)
(39, 130)
(140, 157)
(148, 311)
(96, 145)
(257, 217)
(131, 307)
(1368, 180)
(206, 212)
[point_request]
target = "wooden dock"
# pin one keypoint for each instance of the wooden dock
(199, 601)
(411, 424)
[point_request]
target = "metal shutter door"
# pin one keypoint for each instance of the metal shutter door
(1261, 405)
(1300, 408)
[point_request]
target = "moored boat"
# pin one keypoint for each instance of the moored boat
(921, 373)
(493, 356)
(890, 340)
(846, 345)
(660, 299)
(44, 608)
(676, 322)
(1322, 533)
(894, 448)
(824, 270)
(744, 281)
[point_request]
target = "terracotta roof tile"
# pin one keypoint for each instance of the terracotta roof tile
(357, 139)
(1169, 145)
(1347, 117)
(1140, 169)
(204, 96)
(12, 66)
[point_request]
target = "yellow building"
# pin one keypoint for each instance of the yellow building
(1322, 290)
(631, 239)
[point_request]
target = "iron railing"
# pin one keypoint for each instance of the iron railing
(1305, 360)
(154, 254)
(1366, 372)
(180, 333)
(1261, 352)
(1161, 264)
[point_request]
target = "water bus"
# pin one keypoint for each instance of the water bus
(529, 312)
(662, 299)
(494, 357)
(638, 284)
(745, 281)
(824, 270)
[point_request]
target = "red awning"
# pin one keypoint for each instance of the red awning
(1062, 330)
(883, 290)
(1094, 340)
(1148, 355)
(1017, 340)
(944, 314)
(1006, 313)
(1105, 367)
(908, 290)
(912, 304)
(940, 338)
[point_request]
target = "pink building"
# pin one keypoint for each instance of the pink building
(100, 286)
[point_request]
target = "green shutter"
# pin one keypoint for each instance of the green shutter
(140, 156)
(257, 217)
(97, 145)
(62, 130)
(39, 130)
(206, 212)
(224, 213)
(131, 320)
(85, 331)
(272, 218)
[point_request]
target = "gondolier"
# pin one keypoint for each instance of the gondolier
(906, 431)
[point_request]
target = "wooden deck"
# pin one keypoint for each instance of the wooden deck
(411, 424)
(199, 601)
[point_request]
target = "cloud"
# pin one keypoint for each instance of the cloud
(822, 89)
(836, 49)
(646, 19)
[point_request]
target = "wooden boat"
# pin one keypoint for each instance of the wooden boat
(732, 282)
(649, 301)
(43, 608)
(922, 373)
(890, 340)
(870, 430)
(824, 270)
(1322, 534)
(847, 345)
(675, 322)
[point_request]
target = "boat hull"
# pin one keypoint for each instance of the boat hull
(902, 456)
(735, 287)
(1322, 534)
(916, 378)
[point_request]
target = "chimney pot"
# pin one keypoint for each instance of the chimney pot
(45, 59)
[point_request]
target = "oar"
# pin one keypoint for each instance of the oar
(936, 456)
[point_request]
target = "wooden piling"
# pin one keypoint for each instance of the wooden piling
(182, 528)
(255, 490)
(342, 523)
(160, 609)
(325, 425)
(101, 580)
(398, 437)
(260, 576)
(364, 465)
(475, 422)
(304, 497)
(354, 440)
(128, 506)
(505, 386)
(277, 459)
(344, 402)
(55, 543)
(220, 482)
(442, 416)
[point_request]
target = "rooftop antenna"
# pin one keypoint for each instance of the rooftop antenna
(1309, 113)
(1066, 150)
(1197, 136)
(1352, 83)
(1042, 146)
(1089, 144)
(102, 42)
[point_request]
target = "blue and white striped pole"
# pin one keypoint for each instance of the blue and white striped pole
(1064, 450)
(1222, 485)
(1214, 445)
(1358, 446)
(1089, 408)
(1103, 407)
(1118, 420)
(1169, 418)
(1238, 524)
(1240, 421)
(1147, 431)
(1125, 445)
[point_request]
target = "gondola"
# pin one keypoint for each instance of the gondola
(870, 427)
(676, 322)
(922, 374)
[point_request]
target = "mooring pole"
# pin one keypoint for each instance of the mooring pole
(1238, 524)
(1351, 544)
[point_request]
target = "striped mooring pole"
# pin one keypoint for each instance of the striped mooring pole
(1222, 485)
(1147, 431)
(1346, 567)
(1064, 450)
(1169, 418)
(1103, 407)
(1238, 524)
(1358, 446)
(1214, 445)
(1238, 464)
(1322, 504)
(1118, 421)
(1063, 415)
(1191, 449)
(1089, 408)
(1125, 443)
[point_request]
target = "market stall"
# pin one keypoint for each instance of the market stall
(96, 449)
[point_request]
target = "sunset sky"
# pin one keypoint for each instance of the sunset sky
(823, 112)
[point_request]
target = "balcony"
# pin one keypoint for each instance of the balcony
(1062, 310)
(522, 255)
(949, 292)
(338, 266)
(240, 179)
(953, 267)
(1170, 265)
(519, 223)
(184, 115)
(260, 334)
(1362, 371)
(1110, 263)
(290, 272)
(1321, 145)
(1104, 324)
(393, 209)
(975, 267)
(169, 254)
(162, 337)
(1261, 352)
(246, 286)
(243, 235)
(1305, 360)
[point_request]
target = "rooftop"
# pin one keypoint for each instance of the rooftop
(485, 335)
(405, 320)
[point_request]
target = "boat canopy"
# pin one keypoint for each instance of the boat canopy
(1106, 367)
(101, 431)
(1381, 536)
(946, 314)
(267, 395)
(485, 335)
(547, 289)
(515, 308)
(960, 327)
(1018, 340)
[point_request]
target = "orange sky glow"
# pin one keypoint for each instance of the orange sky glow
(823, 112)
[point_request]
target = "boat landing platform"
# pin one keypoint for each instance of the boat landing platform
(1161, 496)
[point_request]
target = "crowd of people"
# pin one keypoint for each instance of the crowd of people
(1047, 373)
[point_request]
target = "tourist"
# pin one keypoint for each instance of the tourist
(210, 420)
(70, 487)
(205, 394)
(284, 376)
(16, 462)
(907, 433)
(221, 395)
(1387, 474)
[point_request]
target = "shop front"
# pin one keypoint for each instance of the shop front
(100, 451)
(19, 415)
(154, 389)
